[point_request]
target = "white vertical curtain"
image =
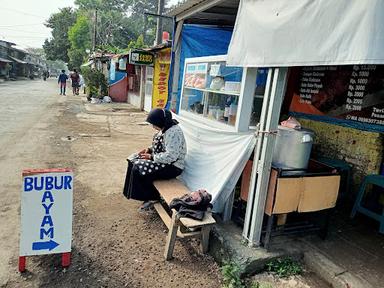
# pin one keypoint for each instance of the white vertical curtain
(215, 159)
(282, 33)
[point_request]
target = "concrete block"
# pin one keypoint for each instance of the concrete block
(226, 244)
(336, 276)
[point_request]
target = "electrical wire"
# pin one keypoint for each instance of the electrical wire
(21, 12)
(19, 25)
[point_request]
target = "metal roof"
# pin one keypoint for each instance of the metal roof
(5, 60)
(18, 60)
(208, 12)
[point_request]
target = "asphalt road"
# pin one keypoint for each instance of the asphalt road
(113, 245)
(24, 114)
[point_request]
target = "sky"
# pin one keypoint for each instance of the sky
(22, 21)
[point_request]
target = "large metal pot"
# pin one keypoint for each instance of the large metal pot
(292, 148)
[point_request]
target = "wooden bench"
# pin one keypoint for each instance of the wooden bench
(170, 189)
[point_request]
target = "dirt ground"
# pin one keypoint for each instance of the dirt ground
(113, 244)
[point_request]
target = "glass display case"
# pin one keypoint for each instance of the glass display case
(214, 93)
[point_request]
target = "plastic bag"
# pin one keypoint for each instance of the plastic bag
(107, 99)
(291, 122)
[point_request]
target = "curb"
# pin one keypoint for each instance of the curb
(226, 245)
(331, 273)
(118, 109)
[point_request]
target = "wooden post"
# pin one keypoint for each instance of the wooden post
(22, 260)
(66, 259)
(205, 230)
(281, 219)
(171, 238)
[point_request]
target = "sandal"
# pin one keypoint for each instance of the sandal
(146, 206)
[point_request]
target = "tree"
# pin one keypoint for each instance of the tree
(79, 36)
(139, 43)
(57, 47)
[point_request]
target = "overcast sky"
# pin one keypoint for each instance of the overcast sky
(21, 21)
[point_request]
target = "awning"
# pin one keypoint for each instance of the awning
(283, 33)
(89, 63)
(18, 60)
(5, 60)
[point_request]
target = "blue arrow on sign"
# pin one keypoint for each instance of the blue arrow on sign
(44, 245)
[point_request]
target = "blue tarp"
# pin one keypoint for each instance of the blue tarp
(199, 41)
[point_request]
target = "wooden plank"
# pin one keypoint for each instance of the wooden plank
(163, 214)
(191, 223)
(205, 238)
(171, 238)
(170, 189)
(271, 192)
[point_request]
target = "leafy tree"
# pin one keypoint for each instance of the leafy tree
(79, 36)
(139, 43)
(57, 47)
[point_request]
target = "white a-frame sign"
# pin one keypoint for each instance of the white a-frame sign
(46, 213)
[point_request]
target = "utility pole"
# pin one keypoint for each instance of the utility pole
(159, 30)
(94, 32)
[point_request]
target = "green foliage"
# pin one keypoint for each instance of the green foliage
(119, 24)
(285, 267)
(79, 35)
(57, 47)
(96, 82)
(139, 43)
(260, 285)
(231, 275)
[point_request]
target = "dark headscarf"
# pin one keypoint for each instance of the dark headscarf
(161, 118)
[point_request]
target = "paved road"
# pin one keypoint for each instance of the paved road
(24, 114)
(113, 244)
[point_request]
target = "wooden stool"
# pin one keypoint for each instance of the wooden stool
(377, 180)
(170, 189)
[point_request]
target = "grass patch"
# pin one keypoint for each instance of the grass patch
(284, 267)
(231, 275)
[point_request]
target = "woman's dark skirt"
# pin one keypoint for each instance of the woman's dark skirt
(140, 187)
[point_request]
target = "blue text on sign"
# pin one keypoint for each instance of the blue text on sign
(47, 219)
(47, 183)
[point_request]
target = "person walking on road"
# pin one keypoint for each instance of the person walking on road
(75, 78)
(62, 81)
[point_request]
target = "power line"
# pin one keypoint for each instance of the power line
(28, 37)
(19, 25)
(21, 12)
(18, 30)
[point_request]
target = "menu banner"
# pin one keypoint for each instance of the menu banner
(160, 84)
(353, 93)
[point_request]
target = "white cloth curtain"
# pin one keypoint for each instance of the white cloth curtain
(215, 159)
(282, 33)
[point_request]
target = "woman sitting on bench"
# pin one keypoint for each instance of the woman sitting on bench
(163, 160)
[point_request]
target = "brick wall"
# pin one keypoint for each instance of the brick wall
(364, 150)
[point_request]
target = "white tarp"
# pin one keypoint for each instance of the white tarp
(281, 33)
(215, 159)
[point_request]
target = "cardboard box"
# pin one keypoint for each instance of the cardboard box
(302, 193)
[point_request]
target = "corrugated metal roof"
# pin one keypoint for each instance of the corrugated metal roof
(5, 60)
(18, 60)
(208, 12)
(184, 7)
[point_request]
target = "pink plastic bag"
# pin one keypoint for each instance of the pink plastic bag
(291, 122)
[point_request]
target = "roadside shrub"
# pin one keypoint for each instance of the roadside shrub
(95, 82)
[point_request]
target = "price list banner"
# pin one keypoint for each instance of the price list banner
(352, 94)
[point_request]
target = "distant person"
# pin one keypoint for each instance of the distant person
(81, 83)
(62, 81)
(75, 78)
